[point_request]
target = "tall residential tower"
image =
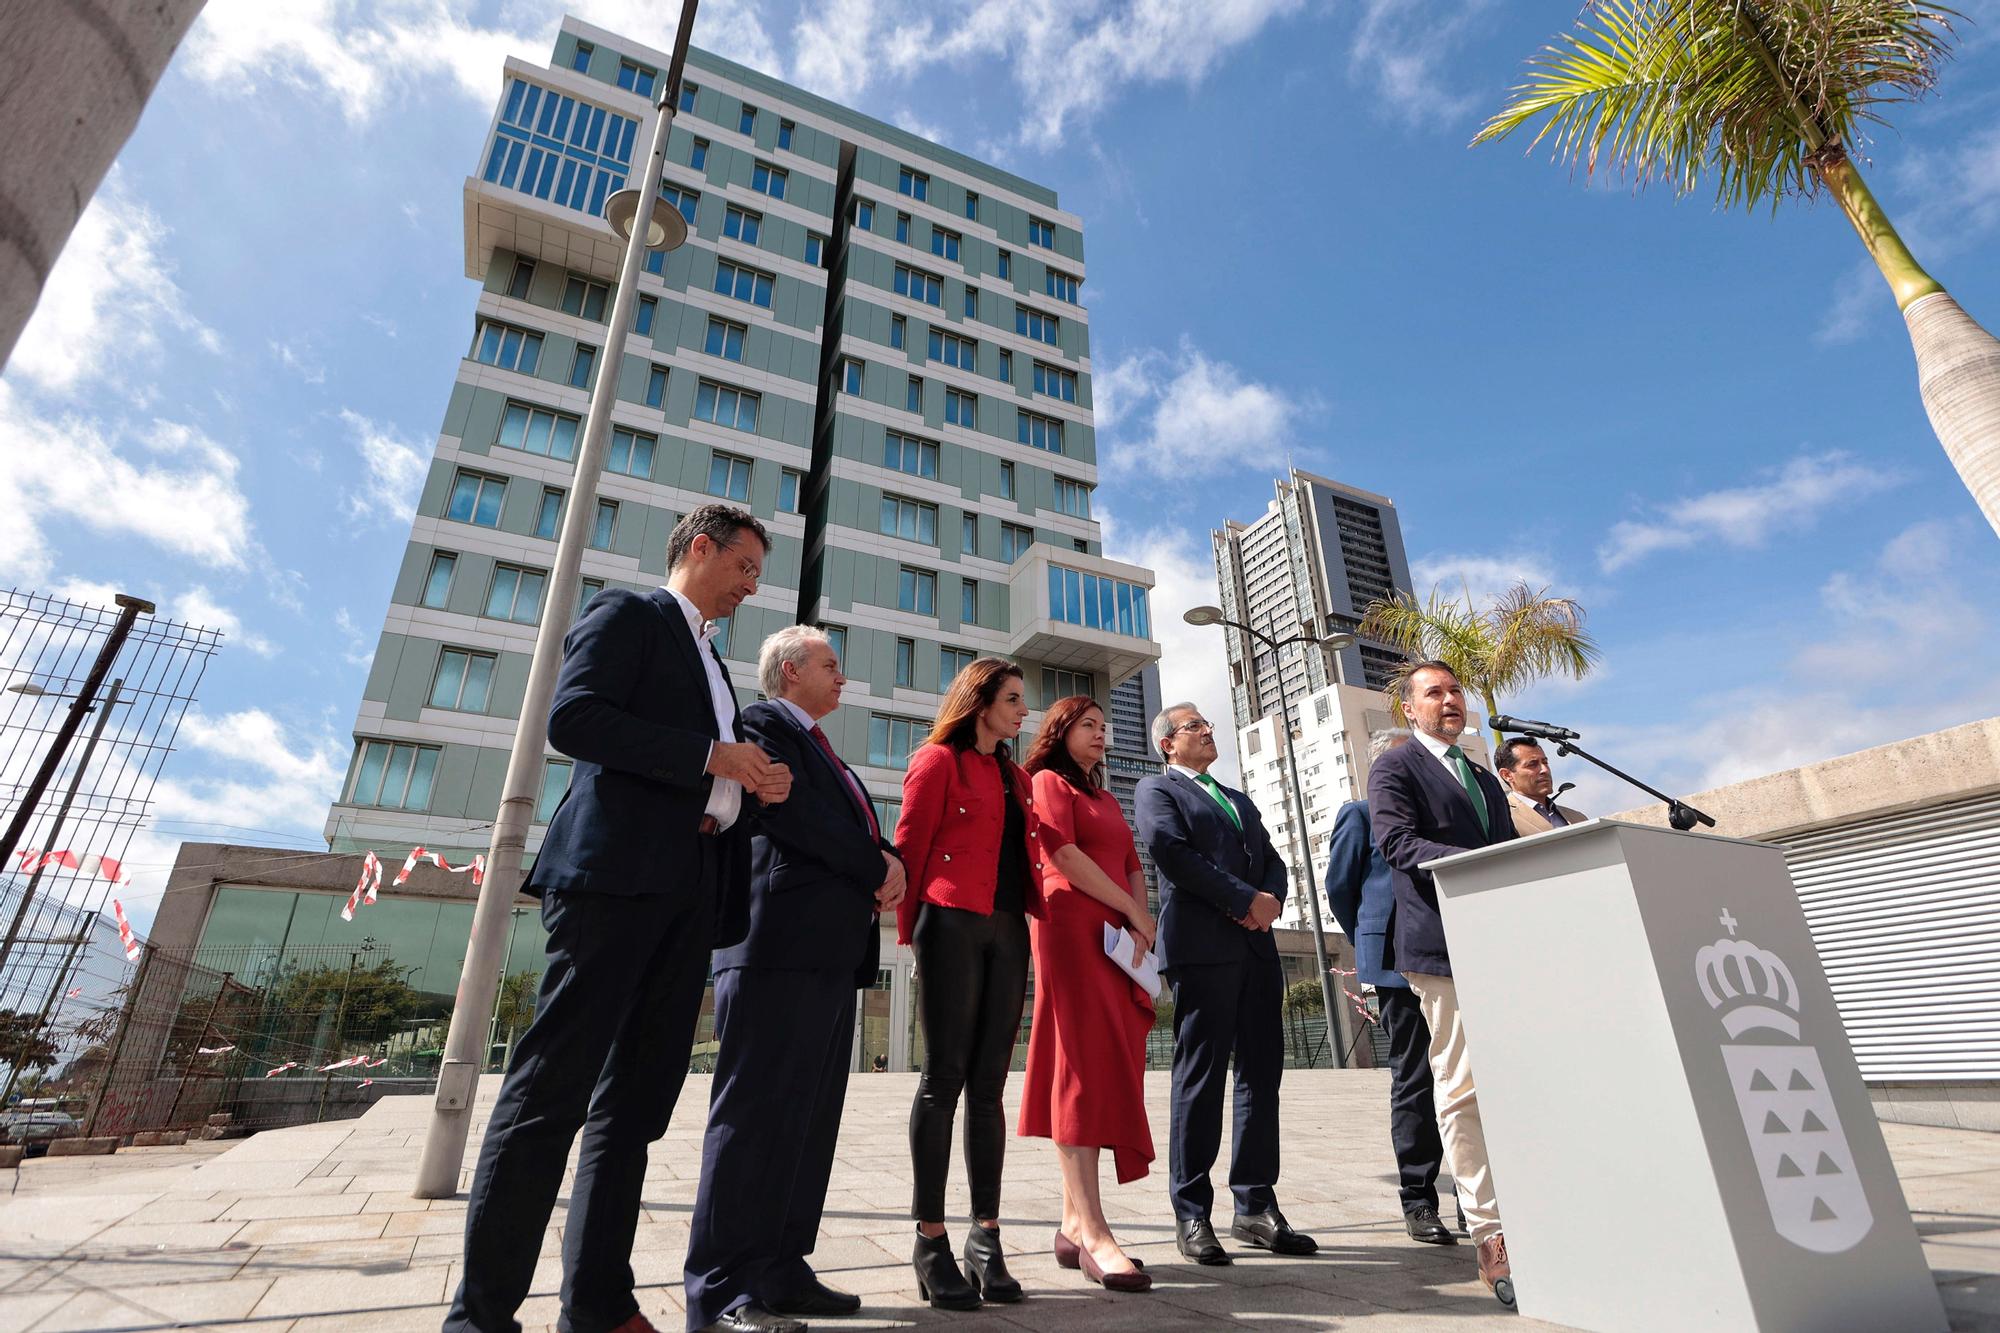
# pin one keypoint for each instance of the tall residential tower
(872, 342)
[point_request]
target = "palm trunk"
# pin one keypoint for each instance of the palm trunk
(1958, 362)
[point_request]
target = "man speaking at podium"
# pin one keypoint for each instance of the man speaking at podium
(1428, 801)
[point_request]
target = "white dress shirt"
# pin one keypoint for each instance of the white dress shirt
(725, 798)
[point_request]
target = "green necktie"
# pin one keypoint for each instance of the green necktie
(1228, 806)
(1471, 785)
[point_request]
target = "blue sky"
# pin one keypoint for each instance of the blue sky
(1703, 426)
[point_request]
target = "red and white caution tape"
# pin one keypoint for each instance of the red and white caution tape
(375, 1064)
(273, 1073)
(125, 936)
(213, 1050)
(477, 865)
(365, 887)
(348, 1063)
(105, 867)
(364, 1082)
(72, 992)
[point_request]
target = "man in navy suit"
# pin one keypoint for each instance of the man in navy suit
(1362, 894)
(784, 1010)
(1221, 887)
(644, 869)
(1428, 801)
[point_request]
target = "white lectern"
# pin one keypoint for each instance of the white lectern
(1679, 1135)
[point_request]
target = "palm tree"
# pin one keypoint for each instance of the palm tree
(1524, 636)
(1770, 97)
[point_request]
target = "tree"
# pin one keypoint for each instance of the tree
(1769, 98)
(377, 1000)
(25, 1041)
(1523, 636)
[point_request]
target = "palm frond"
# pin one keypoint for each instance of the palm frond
(1672, 90)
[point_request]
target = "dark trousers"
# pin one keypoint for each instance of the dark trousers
(972, 976)
(1220, 1009)
(607, 1054)
(785, 1039)
(1413, 1126)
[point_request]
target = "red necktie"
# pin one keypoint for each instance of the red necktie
(867, 806)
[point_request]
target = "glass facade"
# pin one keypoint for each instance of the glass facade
(554, 147)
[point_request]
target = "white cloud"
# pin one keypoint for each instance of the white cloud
(1183, 415)
(197, 606)
(905, 118)
(834, 48)
(184, 499)
(1901, 620)
(1399, 49)
(355, 648)
(1484, 576)
(285, 778)
(109, 301)
(1194, 663)
(395, 471)
(1745, 517)
(299, 359)
(1068, 59)
(366, 54)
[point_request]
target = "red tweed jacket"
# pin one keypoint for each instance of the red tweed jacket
(954, 811)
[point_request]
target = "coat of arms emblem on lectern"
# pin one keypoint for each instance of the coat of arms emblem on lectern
(1803, 1161)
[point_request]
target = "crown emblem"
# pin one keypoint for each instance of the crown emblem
(1750, 987)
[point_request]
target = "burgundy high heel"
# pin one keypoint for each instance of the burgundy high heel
(1127, 1282)
(1067, 1250)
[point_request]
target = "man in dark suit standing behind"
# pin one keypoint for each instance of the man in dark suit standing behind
(644, 869)
(1362, 894)
(1221, 887)
(784, 1010)
(1428, 801)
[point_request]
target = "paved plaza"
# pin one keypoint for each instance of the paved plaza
(313, 1228)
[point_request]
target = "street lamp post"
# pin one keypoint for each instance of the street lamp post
(1209, 615)
(466, 1044)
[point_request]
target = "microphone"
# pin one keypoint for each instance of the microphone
(1523, 726)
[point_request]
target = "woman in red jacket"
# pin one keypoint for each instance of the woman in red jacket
(973, 850)
(1085, 1082)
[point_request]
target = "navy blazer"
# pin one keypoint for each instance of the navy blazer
(632, 708)
(814, 866)
(1362, 894)
(1422, 813)
(1209, 870)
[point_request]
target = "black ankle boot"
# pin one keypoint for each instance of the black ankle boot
(986, 1266)
(938, 1278)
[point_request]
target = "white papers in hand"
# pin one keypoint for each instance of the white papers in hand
(1118, 948)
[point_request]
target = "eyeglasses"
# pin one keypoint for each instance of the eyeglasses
(1198, 725)
(752, 572)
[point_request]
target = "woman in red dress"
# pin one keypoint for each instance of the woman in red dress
(1085, 1081)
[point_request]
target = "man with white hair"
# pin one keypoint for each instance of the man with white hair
(820, 871)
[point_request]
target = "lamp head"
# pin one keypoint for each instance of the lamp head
(665, 230)
(1202, 615)
(1337, 642)
(27, 687)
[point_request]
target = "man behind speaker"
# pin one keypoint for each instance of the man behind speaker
(1531, 787)
(1428, 801)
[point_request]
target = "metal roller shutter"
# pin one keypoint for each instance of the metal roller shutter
(1906, 912)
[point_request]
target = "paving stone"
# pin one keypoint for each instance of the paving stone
(143, 1307)
(322, 1215)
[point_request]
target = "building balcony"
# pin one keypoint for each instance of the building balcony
(554, 155)
(1081, 613)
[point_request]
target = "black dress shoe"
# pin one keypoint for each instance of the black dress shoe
(753, 1318)
(1270, 1231)
(816, 1298)
(1425, 1228)
(1197, 1241)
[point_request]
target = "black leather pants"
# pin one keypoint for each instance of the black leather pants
(972, 974)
